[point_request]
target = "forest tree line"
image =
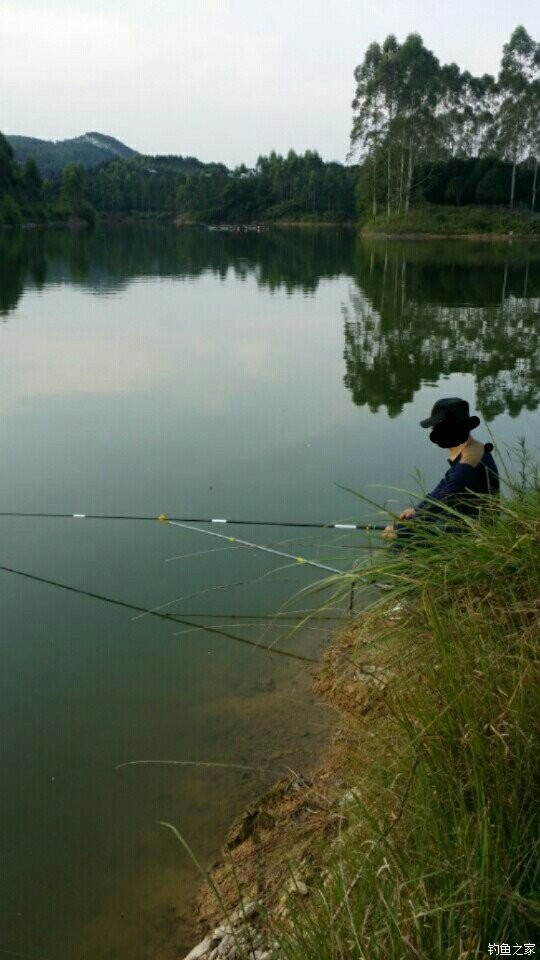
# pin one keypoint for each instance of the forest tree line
(140, 186)
(423, 130)
(276, 188)
(294, 187)
(424, 134)
(28, 197)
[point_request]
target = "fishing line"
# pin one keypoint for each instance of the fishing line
(249, 624)
(221, 586)
(338, 594)
(196, 553)
(258, 616)
(257, 546)
(154, 613)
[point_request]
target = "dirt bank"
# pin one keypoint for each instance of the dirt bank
(276, 848)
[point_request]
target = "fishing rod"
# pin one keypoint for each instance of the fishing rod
(280, 553)
(175, 617)
(315, 525)
(188, 525)
(171, 617)
(185, 526)
(248, 543)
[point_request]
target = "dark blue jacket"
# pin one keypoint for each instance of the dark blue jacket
(473, 472)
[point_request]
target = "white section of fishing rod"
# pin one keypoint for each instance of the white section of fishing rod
(254, 546)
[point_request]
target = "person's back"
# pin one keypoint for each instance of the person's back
(472, 471)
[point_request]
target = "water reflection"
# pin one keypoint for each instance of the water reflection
(417, 311)
(108, 259)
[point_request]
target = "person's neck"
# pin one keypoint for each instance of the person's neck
(455, 451)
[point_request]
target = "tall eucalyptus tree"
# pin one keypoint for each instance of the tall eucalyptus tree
(534, 131)
(468, 107)
(395, 119)
(410, 112)
(369, 121)
(518, 82)
(419, 130)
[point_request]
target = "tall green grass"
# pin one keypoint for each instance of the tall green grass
(437, 856)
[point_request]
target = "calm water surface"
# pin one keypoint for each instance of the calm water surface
(151, 369)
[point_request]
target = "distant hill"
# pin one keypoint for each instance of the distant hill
(51, 156)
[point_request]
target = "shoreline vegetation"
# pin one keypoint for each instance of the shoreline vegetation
(423, 222)
(474, 222)
(77, 223)
(477, 223)
(417, 835)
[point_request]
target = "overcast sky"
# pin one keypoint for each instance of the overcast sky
(220, 79)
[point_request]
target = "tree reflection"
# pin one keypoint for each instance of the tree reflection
(108, 259)
(417, 311)
(423, 311)
(12, 271)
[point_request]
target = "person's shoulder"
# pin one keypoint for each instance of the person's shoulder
(473, 453)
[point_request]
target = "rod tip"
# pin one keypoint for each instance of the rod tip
(162, 518)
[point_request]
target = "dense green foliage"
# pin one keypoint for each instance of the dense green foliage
(295, 187)
(426, 131)
(287, 188)
(91, 149)
(142, 186)
(26, 197)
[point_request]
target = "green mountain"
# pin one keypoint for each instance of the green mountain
(51, 156)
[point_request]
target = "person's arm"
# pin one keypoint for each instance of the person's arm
(454, 482)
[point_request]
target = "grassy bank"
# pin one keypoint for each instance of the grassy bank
(439, 221)
(419, 835)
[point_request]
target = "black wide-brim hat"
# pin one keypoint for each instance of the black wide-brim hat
(451, 410)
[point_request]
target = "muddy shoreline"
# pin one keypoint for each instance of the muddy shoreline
(276, 849)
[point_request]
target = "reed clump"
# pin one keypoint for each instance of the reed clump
(437, 851)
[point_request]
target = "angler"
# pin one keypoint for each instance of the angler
(472, 469)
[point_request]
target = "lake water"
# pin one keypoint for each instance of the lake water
(153, 369)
